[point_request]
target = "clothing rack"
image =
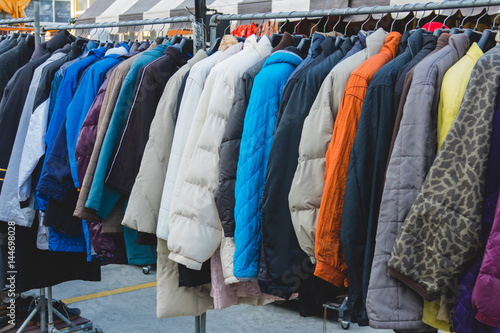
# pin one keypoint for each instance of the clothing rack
(178, 19)
(217, 18)
(46, 306)
(35, 20)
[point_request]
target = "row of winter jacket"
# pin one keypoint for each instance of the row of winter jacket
(369, 163)
(363, 166)
(61, 113)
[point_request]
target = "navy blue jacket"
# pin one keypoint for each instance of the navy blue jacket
(282, 250)
(365, 177)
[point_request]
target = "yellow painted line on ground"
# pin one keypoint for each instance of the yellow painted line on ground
(109, 293)
(3, 169)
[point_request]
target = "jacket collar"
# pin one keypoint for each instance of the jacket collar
(404, 42)
(286, 41)
(429, 42)
(201, 54)
(374, 42)
(346, 46)
(474, 52)
(315, 48)
(460, 42)
(174, 52)
(328, 45)
(442, 41)
(415, 42)
(263, 47)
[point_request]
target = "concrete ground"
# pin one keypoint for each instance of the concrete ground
(135, 311)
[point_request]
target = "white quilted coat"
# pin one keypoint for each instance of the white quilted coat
(195, 230)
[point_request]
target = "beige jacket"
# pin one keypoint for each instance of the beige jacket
(308, 183)
(144, 202)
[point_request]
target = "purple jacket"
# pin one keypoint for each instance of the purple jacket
(110, 248)
(464, 320)
(487, 288)
(88, 133)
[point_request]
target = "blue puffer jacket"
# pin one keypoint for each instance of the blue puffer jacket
(257, 137)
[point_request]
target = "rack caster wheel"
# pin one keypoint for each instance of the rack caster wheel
(345, 324)
(146, 269)
(98, 330)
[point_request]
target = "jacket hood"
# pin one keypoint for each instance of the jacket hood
(281, 57)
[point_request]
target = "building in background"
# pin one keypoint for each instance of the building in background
(56, 11)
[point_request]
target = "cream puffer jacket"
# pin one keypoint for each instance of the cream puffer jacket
(308, 183)
(195, 230)
(192, 92)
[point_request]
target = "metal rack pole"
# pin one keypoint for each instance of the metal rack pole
(16, 21)
(216, 18)
(177, 19)
(36, 7)
(198, 34)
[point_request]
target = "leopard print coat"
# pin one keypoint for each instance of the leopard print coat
(442, 231)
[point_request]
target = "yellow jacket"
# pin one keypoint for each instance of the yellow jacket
(455, 82)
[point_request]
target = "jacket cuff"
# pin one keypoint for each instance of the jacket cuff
(411, 284)
(189, 263)
(330, 274)
(232, 280)
(487, 319)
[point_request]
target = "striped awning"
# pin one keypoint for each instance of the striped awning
(124, 10)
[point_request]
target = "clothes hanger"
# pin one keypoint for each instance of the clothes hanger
(438, 32)
(435, 17)
(276, 38)
(298, 38)
(376, 24)
(394, 21)
(460, 28)
(420, 19)
(412, 19)
(176, 38)
(347, 25)
(367, 19)
(305, 43)
(487, 40)
(371, 31)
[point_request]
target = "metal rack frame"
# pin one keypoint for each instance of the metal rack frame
(178, 19)
(217, 18)
(35, 20)
(45, 306)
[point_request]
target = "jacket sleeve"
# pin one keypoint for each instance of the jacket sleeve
(144, 203)
(487, 288)
(56, 181)
(308, 183)
(196, 229)
(229, 153)
(33, 149)
(331, 264)
(441, 233)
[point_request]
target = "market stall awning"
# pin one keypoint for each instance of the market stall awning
(124, 10)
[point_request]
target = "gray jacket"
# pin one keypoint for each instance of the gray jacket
(413, 154)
